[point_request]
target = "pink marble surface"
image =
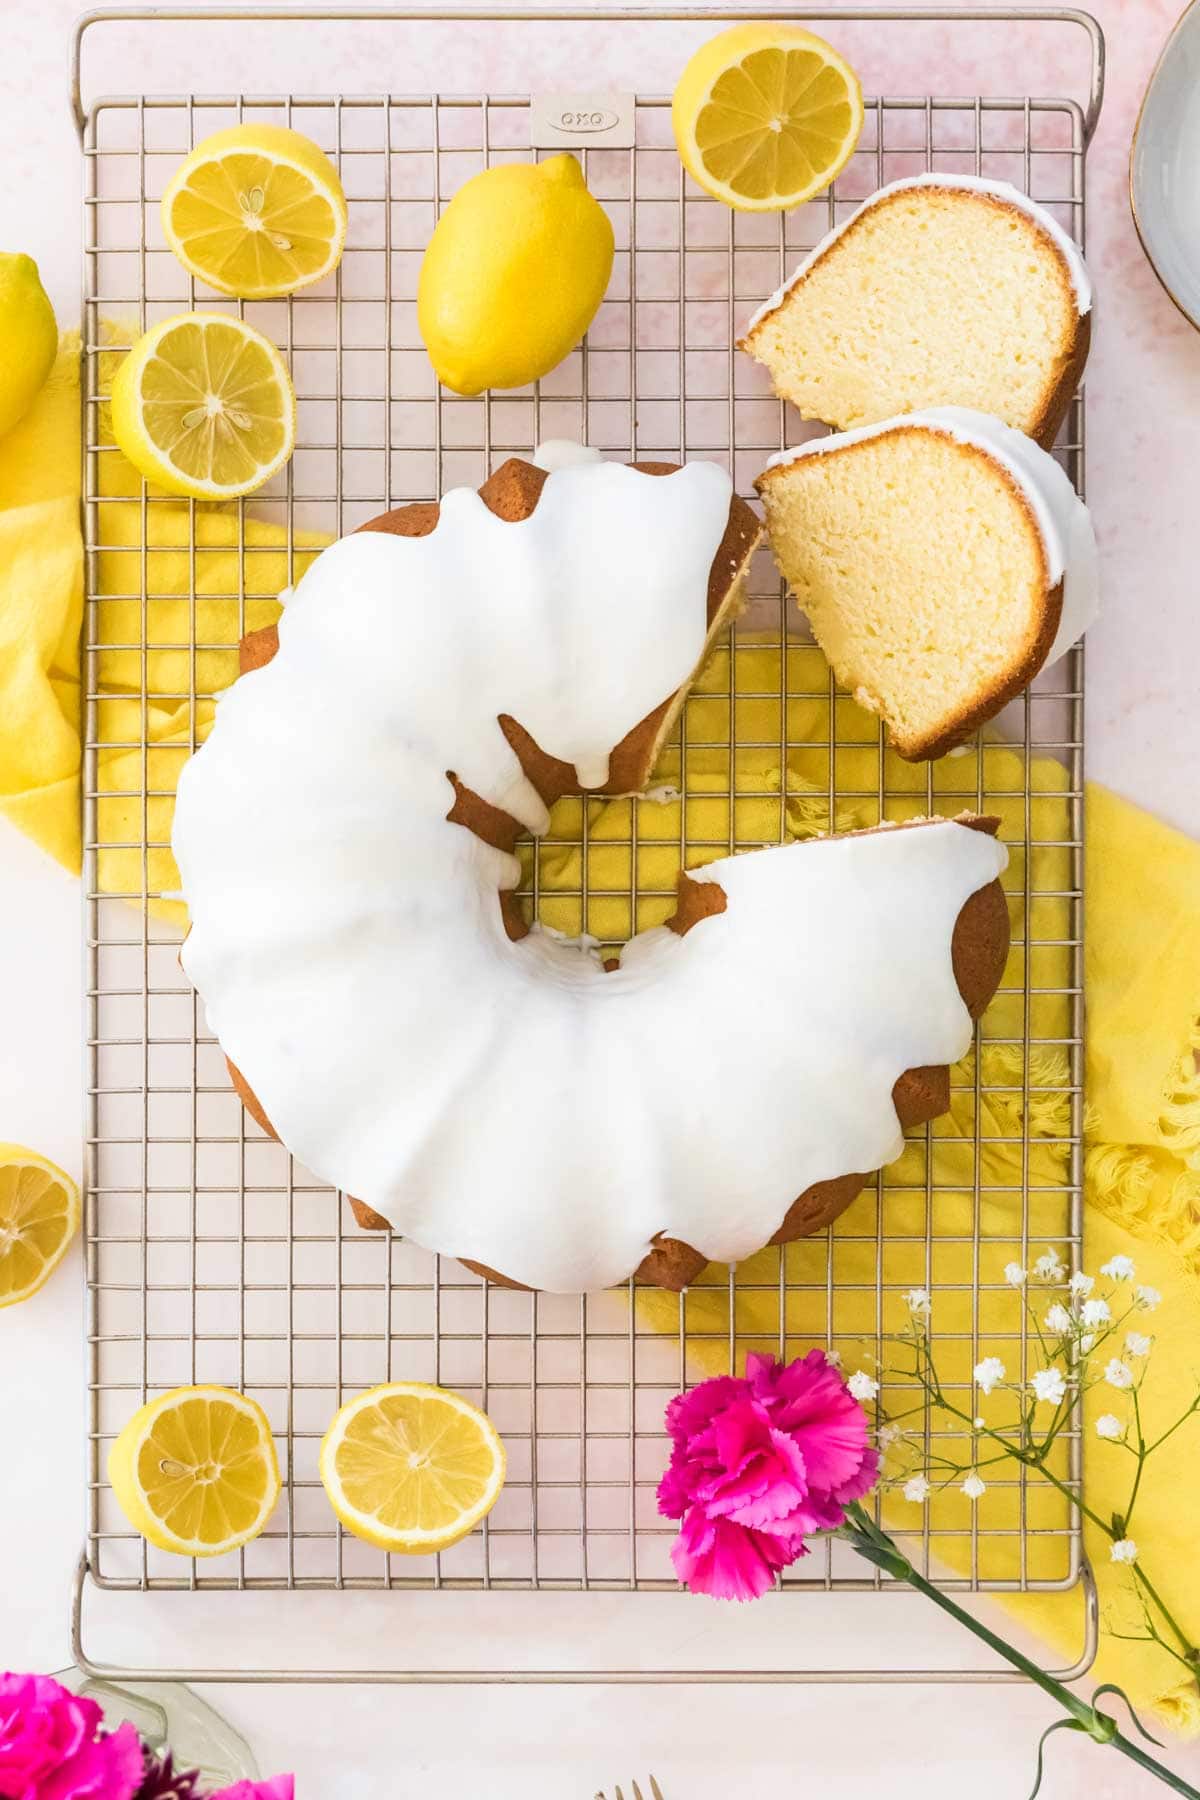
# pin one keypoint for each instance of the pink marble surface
(528, 1745)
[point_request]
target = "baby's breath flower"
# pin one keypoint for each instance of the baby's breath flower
(1048, 1267)
(1049, 1384)
(979, 1424)
(1118, 1374)
(862, 1385)
(888, 1435)
(989, 1372)
(1147, 1298)
(1096, 1312)
(974, 1487)
(1124, 1551)
(916, 1488)
(1109, 1426)
(1014, 1274)
(834, 1358)
(918, 1302)
(1058, 1319)
(1086, 1342)
(1082, 1284)
(1137, 1345)
(1118, 1268)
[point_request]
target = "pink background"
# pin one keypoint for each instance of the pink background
(1143, 385)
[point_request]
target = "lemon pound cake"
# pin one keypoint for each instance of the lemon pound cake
(943, 290)
(345, 841)
(942, 558)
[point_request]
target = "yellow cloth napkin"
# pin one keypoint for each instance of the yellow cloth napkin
(1143, 970)
(41, 600)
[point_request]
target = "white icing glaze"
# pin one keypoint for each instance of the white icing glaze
(1081, 281)
(563, 453)
(511, 1102)
(1063, 521)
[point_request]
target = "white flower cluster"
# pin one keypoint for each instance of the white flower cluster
(989, 1373)
(1072, 1325)
(1048, 1385)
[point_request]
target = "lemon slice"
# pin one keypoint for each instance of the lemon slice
(203, 405)
(766, 115)
(195, 1471)
(256, 211)
(411, 1468)
(39, 1215)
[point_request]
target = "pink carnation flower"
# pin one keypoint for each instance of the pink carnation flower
(281, 1788)
(758, 1465)
(49, 1748)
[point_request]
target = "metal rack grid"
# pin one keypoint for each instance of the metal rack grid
(210, 1256)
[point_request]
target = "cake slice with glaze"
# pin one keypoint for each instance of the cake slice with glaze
(942, 559)
(942, 290)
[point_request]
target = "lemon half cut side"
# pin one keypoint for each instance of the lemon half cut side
(203, 406)
(765, 116)
(39, 1216)
(256, 211)
(195, 1471)
(411, 1468)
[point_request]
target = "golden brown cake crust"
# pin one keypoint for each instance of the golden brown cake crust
(981, 933)
(1058, 396)
(1027, 662)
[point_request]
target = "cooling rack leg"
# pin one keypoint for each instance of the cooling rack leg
(573, 1677)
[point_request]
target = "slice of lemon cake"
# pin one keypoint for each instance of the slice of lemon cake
(941, 290)
(942, 558)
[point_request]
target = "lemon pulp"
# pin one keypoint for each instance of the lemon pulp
(411, 1467)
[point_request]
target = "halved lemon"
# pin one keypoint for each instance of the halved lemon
(256, 211)
(39, 1215)
(411, 1468)
(203, 405)
(766, 115)
(195, 1471)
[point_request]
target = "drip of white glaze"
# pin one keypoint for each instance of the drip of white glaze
(511, 1102)
(553, 454)
(1081, 281)
(1063, 521)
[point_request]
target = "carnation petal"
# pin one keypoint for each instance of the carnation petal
(721, 1559)
(691, 1412)
(111, 1768)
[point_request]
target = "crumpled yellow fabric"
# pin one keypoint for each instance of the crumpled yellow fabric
(1142, 1189)
(1142, 1161)
(146, 691)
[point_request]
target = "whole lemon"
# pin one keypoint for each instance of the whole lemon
(514, 272)
(28, 337)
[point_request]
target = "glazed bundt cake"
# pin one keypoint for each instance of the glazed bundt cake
(942, 558)
(345, 840)
(941, 290)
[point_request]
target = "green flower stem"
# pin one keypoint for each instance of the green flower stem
(873, 1543)
(1032, 1459)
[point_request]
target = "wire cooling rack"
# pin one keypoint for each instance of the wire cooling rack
(211, 1256)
